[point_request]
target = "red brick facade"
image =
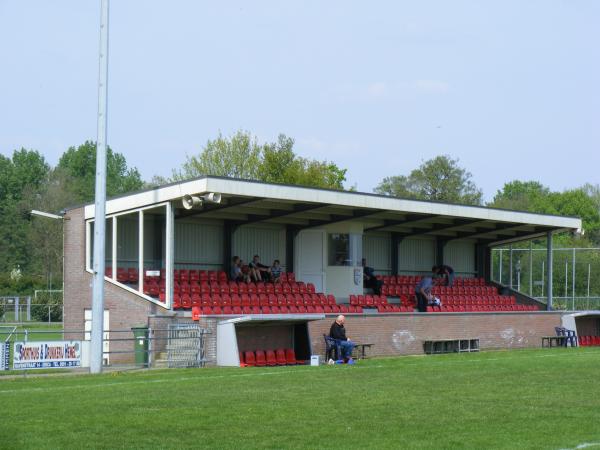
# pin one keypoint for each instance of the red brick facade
(403, 334)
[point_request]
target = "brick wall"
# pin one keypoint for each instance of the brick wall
(403, 334)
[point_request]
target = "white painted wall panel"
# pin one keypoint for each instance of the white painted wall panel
(416, 255)
(460, 255)
(377, 250)
(264, 240)
(198, 245)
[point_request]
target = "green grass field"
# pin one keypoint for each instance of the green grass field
(519, 399)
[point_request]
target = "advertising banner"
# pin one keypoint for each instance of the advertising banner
(46, 354)
(4, 355)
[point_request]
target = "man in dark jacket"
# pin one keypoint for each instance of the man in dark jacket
(338, 332)
(369, 278)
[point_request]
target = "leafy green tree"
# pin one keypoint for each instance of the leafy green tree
(80, 164)
(439, 179)
(241, 156)
(238, 157)
(25, 170)
(522, 196)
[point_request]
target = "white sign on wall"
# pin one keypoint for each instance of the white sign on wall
(46, 354)
(4, 355)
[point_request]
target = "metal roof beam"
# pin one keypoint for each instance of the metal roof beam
(480, 231)
(442, 227)
(279, 213)
(409, 218)
(334, 218)
(208, 208)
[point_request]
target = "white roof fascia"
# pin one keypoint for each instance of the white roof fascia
(330, 197)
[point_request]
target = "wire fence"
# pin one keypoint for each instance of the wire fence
(19, 312)
(575, 279)
(54, 347)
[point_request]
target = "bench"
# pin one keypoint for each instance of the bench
(554, 341)
(437, 346)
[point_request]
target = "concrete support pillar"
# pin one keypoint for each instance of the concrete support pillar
(440, 243)
(549, 258)
(228, 229)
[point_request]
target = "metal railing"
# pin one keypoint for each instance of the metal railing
(576, 284)
(30, 312)
(124, 349)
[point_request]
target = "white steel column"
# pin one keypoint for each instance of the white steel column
(549, 270)
(100, 201)
(114, 248)
(170, 236)
(141, 251)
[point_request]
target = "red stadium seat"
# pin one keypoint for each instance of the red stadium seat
(261, 360)
(280, 356)
(271, 358)
(290, 357)
(249, 359)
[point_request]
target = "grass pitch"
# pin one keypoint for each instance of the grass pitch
(519, 399)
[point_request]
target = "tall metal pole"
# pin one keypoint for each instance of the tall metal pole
(549, 270)
(510, 267)
(100, 203)
(573, 275)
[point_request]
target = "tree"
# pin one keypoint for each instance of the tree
(27, 169)
(439, 179)
(522, 196)
(241, 156)
(238, 157)
(534, 197)
(80, 164)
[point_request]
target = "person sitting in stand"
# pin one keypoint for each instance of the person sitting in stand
(235, 272)
(249, 272)
(338, 332)
(423, 293)
(276, 271)
(369, 278)
(445, 271)
(262, 272)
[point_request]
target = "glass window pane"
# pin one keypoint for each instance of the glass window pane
(155, 252)
(108, 248)
(128, 250)
(339, 250)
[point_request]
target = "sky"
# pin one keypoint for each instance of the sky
(510, 88)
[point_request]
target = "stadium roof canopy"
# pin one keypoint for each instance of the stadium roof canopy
(247, 202)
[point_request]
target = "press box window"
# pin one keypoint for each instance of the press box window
(339, 250)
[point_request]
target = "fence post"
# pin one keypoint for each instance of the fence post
(16, 309)
(29, 309)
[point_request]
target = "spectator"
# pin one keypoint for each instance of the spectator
(446, 271)
(235, 272)
(423, 293)
(369, 278)
(276, 271)
(261, 271)
(338, 332)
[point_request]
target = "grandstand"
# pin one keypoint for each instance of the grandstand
(169, 250)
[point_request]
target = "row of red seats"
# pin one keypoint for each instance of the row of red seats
(414, 279)
(482, 308)
(187, 301)
(479, 300)
(405, 289)
(198, 311)
(587, 341)
(262, 358)
(395, 308)
(131, 275)
(296, 287)
(368, 300)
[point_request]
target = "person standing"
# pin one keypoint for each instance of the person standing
(338, 332)
(423, 293)
(445, 271)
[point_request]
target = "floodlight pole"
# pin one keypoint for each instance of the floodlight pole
(549, 270)
(100, 201)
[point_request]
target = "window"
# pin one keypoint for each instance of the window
(339, 250)
(136, 251)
